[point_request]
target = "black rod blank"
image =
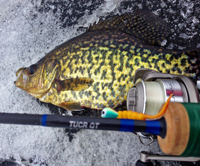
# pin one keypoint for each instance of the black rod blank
(157, 127)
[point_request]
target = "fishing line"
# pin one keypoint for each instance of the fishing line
(154, 97)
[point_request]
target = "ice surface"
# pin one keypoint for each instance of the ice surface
(30, 29)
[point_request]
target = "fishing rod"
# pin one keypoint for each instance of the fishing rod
(177, 130)
(157, 127)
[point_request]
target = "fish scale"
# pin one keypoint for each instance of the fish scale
(96, 69)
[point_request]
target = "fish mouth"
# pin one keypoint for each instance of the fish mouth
(21, 79)
(19, 71)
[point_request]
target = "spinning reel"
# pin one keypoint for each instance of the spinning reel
(152, 89)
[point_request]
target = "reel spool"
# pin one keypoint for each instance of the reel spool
(152, 89)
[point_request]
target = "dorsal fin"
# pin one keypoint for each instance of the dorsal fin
(110, 23)
(142, 24)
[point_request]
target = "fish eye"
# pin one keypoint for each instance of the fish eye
(32, 69)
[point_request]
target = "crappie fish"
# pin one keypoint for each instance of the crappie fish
(96, 69)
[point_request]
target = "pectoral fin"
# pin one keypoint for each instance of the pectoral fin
(71, 106)
(74, 84)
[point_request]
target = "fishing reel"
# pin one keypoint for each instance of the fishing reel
(151, 89)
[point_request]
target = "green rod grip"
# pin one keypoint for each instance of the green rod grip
(193, 146)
